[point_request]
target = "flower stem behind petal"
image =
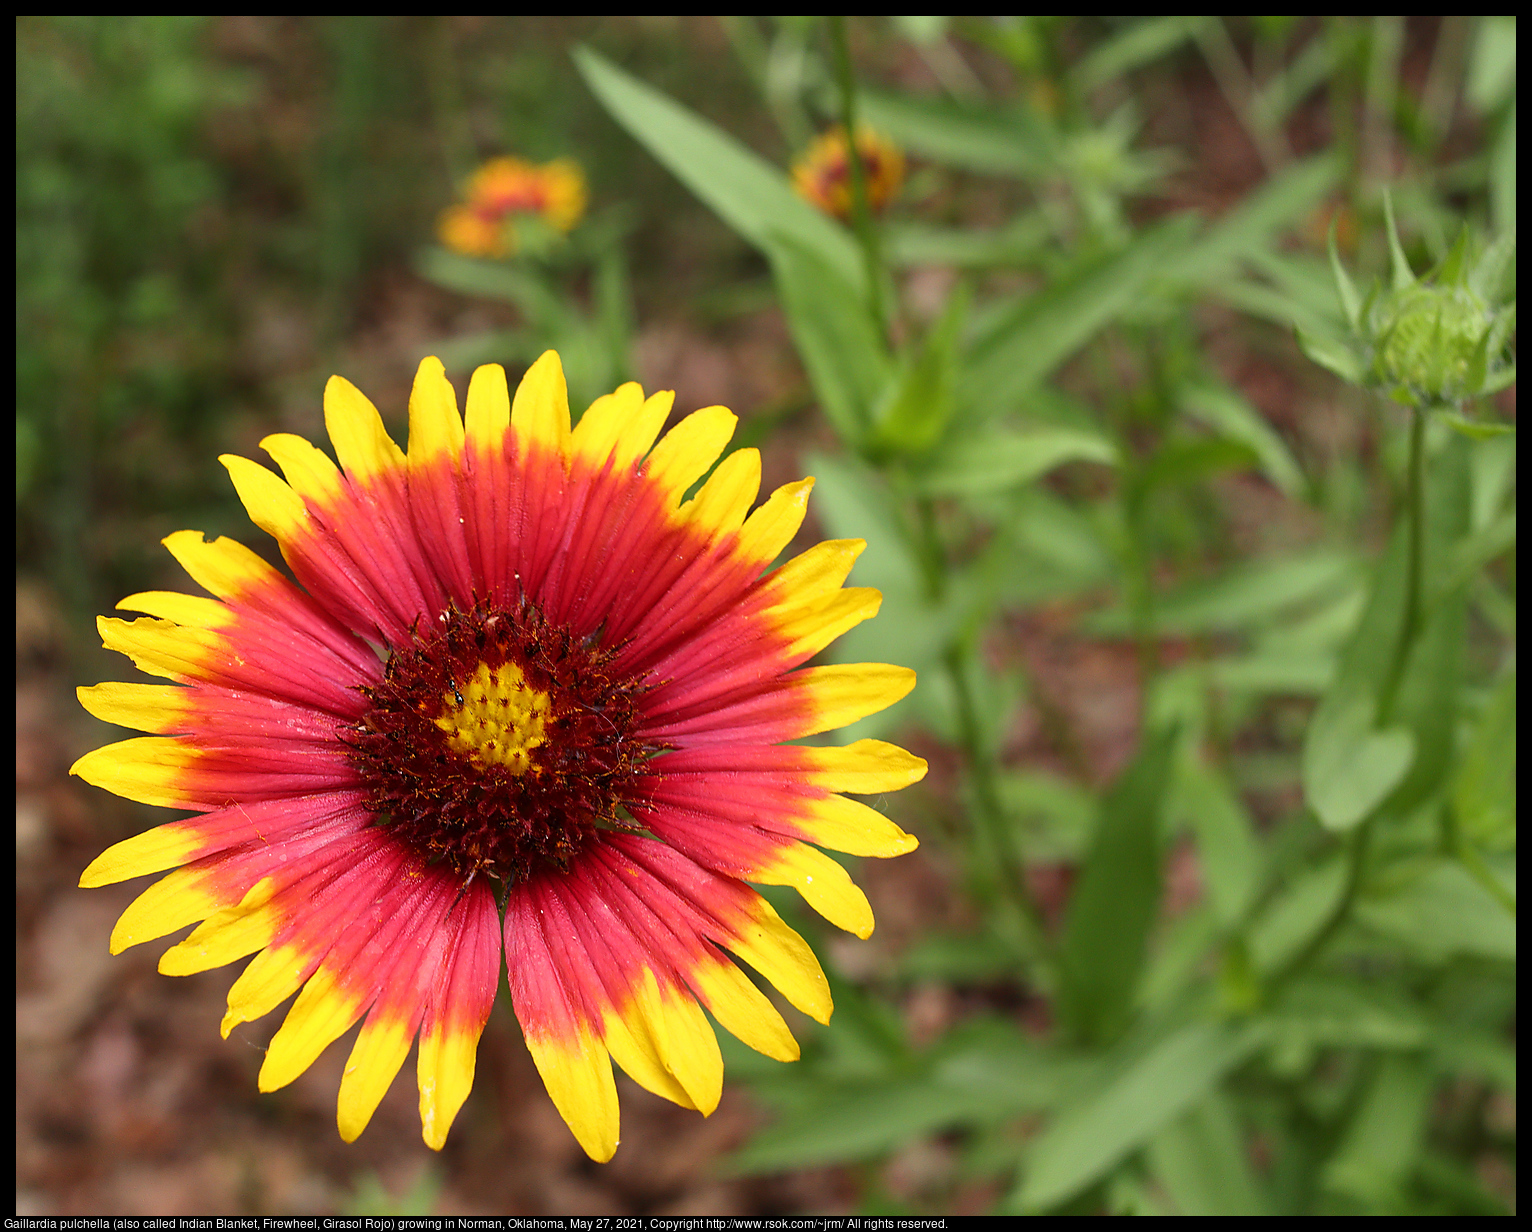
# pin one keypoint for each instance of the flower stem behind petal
(861, 213)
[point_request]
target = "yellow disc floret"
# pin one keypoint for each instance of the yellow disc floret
(496, 718)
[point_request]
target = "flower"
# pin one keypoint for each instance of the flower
(503, 188)
(823, 175)
(520, 695)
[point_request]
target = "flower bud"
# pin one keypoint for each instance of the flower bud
(1437, 341)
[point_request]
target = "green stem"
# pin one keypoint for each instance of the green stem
(980, 767)
(1141, 602)
(1414, 512)
(1485, 876)
(929, 551)
(861, 215)
(1356, 858)
(1409, 629)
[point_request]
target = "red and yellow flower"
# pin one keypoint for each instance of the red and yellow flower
(521, 700)
(823, 175)
(484, 225)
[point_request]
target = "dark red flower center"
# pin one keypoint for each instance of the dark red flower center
(497, 741)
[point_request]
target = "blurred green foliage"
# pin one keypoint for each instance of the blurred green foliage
(1326, 716)
(112, 321)
(214, 215)
(1282, 1045)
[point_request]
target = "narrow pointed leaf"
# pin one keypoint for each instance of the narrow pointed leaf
(1021, 343)
(1093, 1134)
(747, 192)
(847, 362)
(1114, 902)
(988, 461)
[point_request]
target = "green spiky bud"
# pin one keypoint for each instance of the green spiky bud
(1427, 342)
(1436, 341)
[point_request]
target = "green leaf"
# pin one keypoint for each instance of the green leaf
(1182, 948)
(1332, 354)
(1228, 413)
(1484, 787)
(1482, 1053)
(1345, 289)
(1282, 308)
(1473, 552)
(1428, 700)
(1318, 1012)
(1454, 1184)
(1475, 429)
(1203, 1163)
(852, 501)
(1308, 283)
(960, 959)
(919, 402)
(1492, 63)
(462, 353)
(1304, 672)
(1187, 460)
(1493, 467)
(1429, 692)
(1401, 276)
(1115, 900)
(907, 243)
(988, 460)
(1283, 200)
(1226, 842)
(1349, 766)
(1021, 341)
(1441, 914)
(492, 280)
(858, 1121)
(1262, 593)
(1295, 913)
(1054, 537)
(1054, 816)
(1140, 42)
(988, 1073)
(990, 140)
(1384, 1135)
(747, 192)
(1502, 175)
(1093, 1133)
(847, 362)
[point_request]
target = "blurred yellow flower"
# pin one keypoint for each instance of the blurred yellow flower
(483, 225)
(823, 175)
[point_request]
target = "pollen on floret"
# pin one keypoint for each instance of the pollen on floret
(496, 718)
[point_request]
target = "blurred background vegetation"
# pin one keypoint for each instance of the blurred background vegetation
(212, 214)
(1128, 557)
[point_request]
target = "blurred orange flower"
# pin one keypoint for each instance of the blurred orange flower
(483, 225)
(823, 175)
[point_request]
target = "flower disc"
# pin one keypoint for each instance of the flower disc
(496, 741)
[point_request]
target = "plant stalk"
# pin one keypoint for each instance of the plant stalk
(861, 213)
(980, 769)
(1409, 628)
(1414, 512)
